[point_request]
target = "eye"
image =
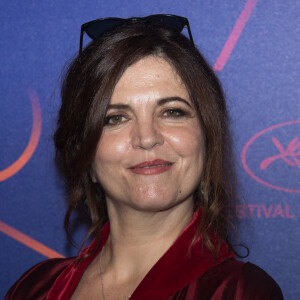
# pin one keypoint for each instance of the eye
(114, 120)
(174, 112)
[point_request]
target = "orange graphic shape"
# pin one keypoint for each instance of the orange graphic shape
(28, 241)
(33, 142)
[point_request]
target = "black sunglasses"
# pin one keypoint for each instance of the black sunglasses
(94, 29)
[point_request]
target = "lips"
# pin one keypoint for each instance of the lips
(153, 163)
(156, 166)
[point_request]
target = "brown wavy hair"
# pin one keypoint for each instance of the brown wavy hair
(86, 91)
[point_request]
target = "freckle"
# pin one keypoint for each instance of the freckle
(180, 192)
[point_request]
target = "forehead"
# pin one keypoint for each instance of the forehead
(150, 75)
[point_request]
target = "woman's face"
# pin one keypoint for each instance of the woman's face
(151, 152)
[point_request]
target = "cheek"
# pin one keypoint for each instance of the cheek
(187, 141)
(110, 150)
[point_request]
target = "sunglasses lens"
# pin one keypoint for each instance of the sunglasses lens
(96, 29)
(172, 22)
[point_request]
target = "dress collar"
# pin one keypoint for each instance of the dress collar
(179, 266)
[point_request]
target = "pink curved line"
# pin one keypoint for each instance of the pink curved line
(266, 162)
(243, 157)
(33, 142)
(235, 34)
(28, 241)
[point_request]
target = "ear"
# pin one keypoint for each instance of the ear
(93, 174)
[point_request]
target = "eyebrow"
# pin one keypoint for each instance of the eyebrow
(159, 103)
(172, 99)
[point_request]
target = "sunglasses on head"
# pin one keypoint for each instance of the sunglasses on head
(94, 29)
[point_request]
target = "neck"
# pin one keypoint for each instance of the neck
(138, 239)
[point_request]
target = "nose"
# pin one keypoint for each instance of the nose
(146, 135)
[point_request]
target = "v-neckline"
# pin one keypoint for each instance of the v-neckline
(177, 267)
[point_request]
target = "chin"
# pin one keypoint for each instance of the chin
(155, 204)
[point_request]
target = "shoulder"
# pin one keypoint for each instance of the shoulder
(252, 282)
(233, 279)
(255, 283)
(37, 281)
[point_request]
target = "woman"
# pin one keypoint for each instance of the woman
(143, 141)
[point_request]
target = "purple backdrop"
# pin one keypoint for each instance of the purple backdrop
(254, 48)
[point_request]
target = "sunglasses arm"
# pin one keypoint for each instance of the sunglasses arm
(81, 39)
(190, 33)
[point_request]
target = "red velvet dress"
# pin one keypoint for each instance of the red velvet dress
(175, 276)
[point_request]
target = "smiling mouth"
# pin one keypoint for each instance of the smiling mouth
(152, 164)
(156, 166)
(150, 167)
